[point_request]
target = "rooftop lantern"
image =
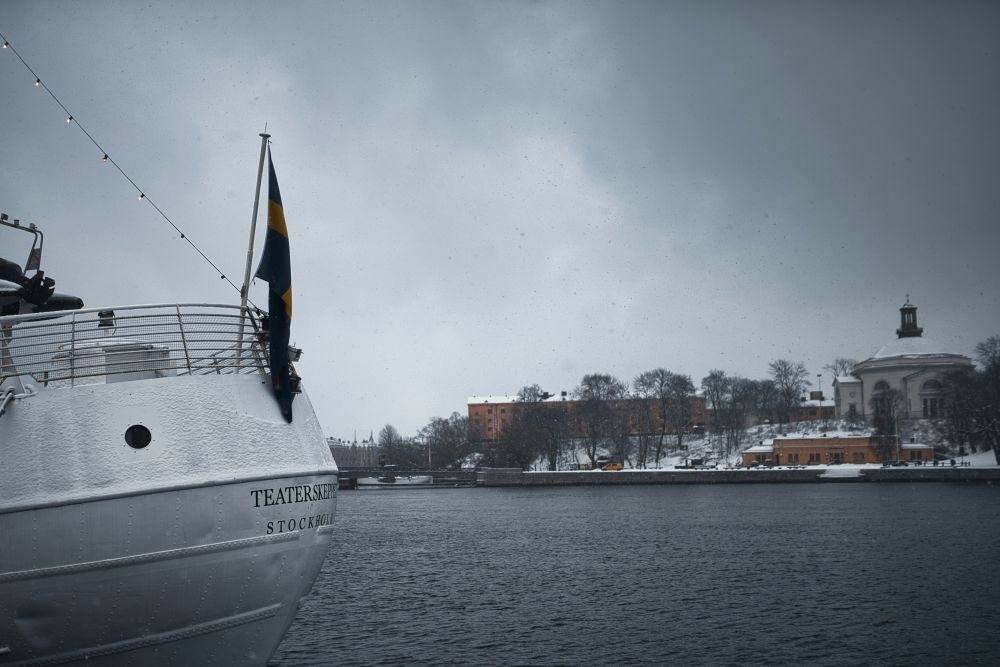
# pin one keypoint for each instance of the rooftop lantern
(908, 321)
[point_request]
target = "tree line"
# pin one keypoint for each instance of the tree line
(638, 422)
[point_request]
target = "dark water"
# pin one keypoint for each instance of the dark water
(820, 574)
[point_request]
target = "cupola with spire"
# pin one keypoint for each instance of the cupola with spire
(908, 321)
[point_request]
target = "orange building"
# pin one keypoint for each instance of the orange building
(839, 449)
(489, 416)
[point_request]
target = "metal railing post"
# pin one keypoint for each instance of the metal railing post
(187, 353)
(72, 351)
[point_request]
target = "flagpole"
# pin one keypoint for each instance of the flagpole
(253, 221)
(245, 290)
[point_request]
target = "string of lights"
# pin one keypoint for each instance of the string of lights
(105, 157)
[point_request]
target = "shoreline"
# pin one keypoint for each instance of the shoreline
(500, 477)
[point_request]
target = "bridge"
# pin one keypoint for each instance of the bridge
(348, 476)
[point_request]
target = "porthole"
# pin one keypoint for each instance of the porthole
(138, 436)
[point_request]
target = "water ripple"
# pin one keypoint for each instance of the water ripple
(845, 574)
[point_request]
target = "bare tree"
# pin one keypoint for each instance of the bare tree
(767, 399)
(643, 416)
(886, 405)
(988, 418)
(961, 395)
(531, 393)
(620, 441)
(542, 422)
(790, 380)
(841, 366)
(715, 385)
(652, 391)
(397, 450)
(738, 404)
(447, 440)
(596, 412)
(972, 401)
(988, 354)
(680, 392)
(521, 444)
(389, 436)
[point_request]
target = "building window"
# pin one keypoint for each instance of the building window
(933, 407)
(930, 395)
(852, 410)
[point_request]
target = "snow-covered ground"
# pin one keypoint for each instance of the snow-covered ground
(710, 448)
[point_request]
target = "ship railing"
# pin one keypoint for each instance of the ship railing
(131, 343)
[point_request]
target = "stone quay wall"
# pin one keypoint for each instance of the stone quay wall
(496, 477)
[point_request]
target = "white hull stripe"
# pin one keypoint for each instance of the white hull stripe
(314, 472)
(159, 638)
(185, 552)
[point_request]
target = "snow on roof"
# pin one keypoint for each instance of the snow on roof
(760, 448)
(915, 346)
(846, 379)
(475, 400)
(479, 400)
(846, 435)
(819, 438)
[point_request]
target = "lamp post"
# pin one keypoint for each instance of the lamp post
(895, 431)
(819, 386)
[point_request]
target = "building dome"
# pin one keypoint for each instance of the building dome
(911, 348)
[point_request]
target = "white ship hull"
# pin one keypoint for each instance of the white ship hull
(194, 549)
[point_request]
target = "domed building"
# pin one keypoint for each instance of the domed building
(911, 364)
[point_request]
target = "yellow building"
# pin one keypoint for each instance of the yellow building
(838, 449)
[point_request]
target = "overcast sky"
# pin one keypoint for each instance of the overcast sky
(484, 195)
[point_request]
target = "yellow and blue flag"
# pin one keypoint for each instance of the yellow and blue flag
(275, 267)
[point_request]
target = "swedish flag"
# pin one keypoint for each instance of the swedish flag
(275, 267)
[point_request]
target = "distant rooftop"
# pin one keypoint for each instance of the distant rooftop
(475, 400)
(479, 400)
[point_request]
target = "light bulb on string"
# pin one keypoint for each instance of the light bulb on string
(141, 196)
